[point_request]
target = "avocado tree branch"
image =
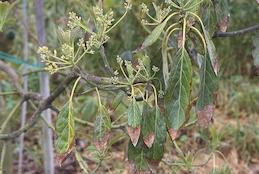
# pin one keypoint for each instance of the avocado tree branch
(236, 33)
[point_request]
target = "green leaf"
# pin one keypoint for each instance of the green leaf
(134, 121)
(177, 97)
(148, 125)
(209, 17)
(102, 127)
(156, 152)
(208, 85)
(5, 8)
(134, 114)
(154, 35)
(65, 129)
(137, 155)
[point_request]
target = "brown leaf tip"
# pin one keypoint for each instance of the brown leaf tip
(101, 144)
(173, 133)
(149, 140)
(134, 134)
(205, 116)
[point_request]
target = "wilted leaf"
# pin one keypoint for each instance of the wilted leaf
(5, 8)
(102, 127)
(154, 35)
(134, 121)
(65, 126)
(208, 86)
(177, 97)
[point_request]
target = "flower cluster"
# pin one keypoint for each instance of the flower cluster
(161, 14)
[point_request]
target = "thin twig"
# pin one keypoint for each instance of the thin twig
(236, 33)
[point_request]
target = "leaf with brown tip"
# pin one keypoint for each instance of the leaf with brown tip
(134, 134)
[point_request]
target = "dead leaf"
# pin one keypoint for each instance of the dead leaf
(101, 144)
(205, 116)
(173, 133)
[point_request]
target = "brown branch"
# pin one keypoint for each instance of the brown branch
(236, 33)
(44, 104)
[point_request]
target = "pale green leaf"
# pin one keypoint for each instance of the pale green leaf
(177, 98)
(65, 129)
(134, 114)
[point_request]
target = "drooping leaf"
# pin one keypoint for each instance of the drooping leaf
(134, 121)
(154, 35)
(5, 8)
(65, 126)
(102, 127)
(137, 156)
(212, 51)
(148, 125)
(156, 152)
(177, 97)
(208, 86)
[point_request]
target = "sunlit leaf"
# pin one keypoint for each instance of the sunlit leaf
(102, 127)
(177, 98)
(208, 85)
(65, 129)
